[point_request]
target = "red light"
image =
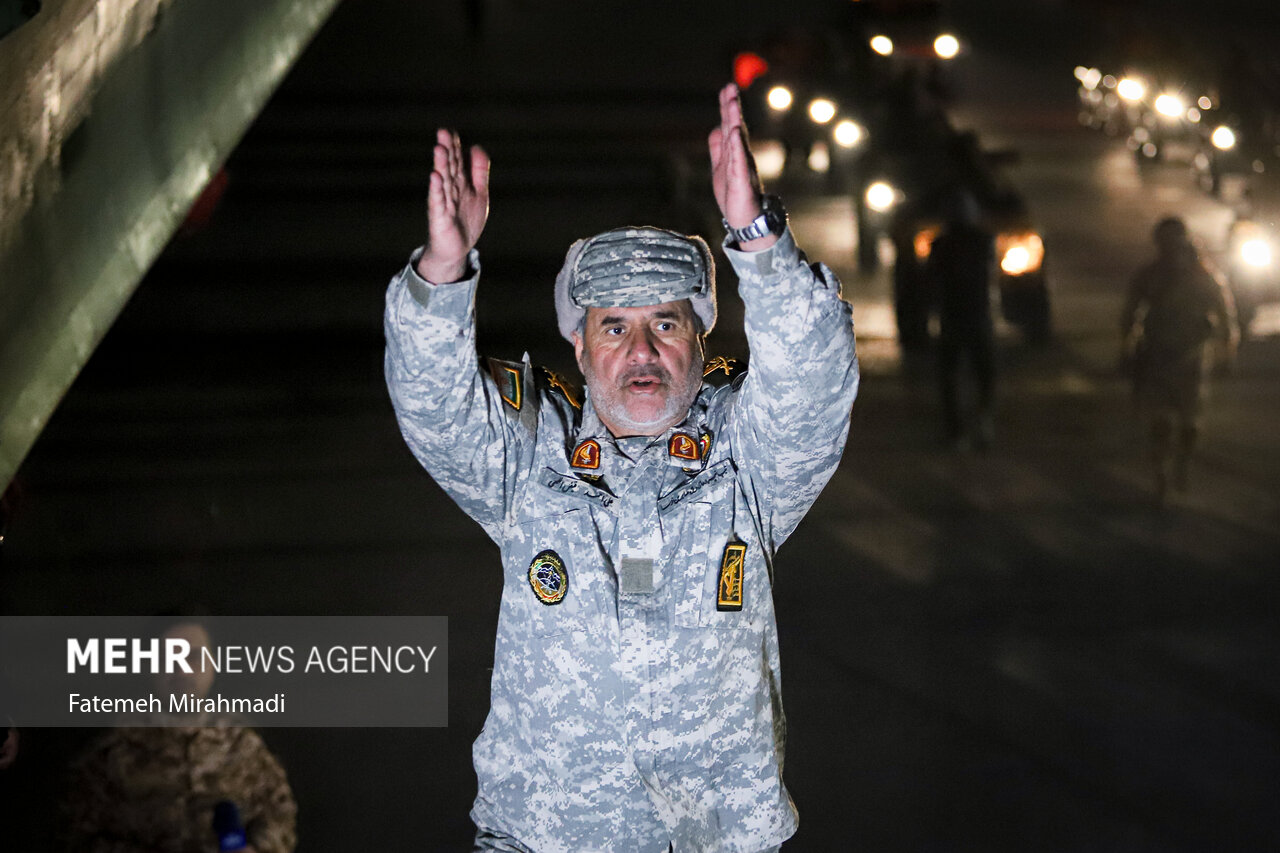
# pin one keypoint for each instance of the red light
(746, 68)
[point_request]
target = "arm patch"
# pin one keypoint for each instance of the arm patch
(509, 377)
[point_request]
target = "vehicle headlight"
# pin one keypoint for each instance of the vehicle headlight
(848, 133)
(770, 156)
(822, 110)
(946, 46)
(923, 242)
(1170, 106)
(1132, 89)
(819, 158)
(779, 98)
(1088, 77)
(1256, 252)
(1223, 138)
(882, 45)
(881, 196)
(1020, 253)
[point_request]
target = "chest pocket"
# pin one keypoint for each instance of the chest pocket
(706, 521)
(556, 578)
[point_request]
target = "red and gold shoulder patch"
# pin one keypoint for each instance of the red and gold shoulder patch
(683, 447)
(586, 455)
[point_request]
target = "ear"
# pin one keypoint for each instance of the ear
(578, 348)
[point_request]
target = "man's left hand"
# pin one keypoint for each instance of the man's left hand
(733, 170)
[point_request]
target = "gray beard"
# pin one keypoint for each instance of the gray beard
(608, 402)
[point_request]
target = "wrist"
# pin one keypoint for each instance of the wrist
(441, 271)
(763, 229)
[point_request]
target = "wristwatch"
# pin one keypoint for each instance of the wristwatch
(773, 220)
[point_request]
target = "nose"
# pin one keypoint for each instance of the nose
(643, 349)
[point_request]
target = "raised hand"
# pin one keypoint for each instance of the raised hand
(457, 208)
(733, 169)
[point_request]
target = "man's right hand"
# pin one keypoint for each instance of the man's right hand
(457, 207)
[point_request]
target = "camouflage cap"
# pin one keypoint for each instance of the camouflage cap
(630, 267)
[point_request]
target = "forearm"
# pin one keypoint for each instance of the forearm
(799, 330)
(791, 415)
(450, 412)
(431, 359)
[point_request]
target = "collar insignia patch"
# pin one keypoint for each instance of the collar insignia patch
(728, 365)
(555, 381)
(548, 577)
(586, 455)
(729, 594)
(683, 447)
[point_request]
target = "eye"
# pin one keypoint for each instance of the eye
(613, 330)
(666, 326)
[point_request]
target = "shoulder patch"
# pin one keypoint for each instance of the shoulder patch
(719, 370)
(567, 389)
(509, 377)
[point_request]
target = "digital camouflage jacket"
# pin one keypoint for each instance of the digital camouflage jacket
(636, 684)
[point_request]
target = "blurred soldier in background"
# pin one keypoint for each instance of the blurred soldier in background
(960, 264)
(1175, 308)
(143, 790)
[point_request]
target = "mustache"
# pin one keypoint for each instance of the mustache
(641, 371)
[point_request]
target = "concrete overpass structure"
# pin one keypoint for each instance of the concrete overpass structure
(114, 115)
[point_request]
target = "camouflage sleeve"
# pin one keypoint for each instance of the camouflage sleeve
(268, 808)
(463, 427)
(790, 418)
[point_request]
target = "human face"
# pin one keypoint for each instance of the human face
(643, 365)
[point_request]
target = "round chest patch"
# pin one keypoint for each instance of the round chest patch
(548, 577)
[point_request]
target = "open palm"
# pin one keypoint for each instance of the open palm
(733, 173)
(457, 208)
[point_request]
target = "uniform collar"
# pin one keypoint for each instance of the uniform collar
(683, 445)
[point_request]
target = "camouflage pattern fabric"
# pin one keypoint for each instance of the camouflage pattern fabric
(635, 266)
(152, 790)
(628, 710)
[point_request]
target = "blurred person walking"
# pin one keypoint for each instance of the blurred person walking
(959, 270)
(1175, 308)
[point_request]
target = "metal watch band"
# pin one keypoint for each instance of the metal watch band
(772, 220)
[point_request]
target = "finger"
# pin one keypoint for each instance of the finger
(435, 199)
(440, 164)
(734, 106)
(459, 166)
(451, 154)
(748, 159)
(440, 159)
(741, 169)
(444, 144)
(440, 178)
(715, 144)
(480, 169)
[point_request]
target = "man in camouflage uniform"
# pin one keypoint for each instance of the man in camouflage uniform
(1175, 308)
(144, 790)
(636, 688)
